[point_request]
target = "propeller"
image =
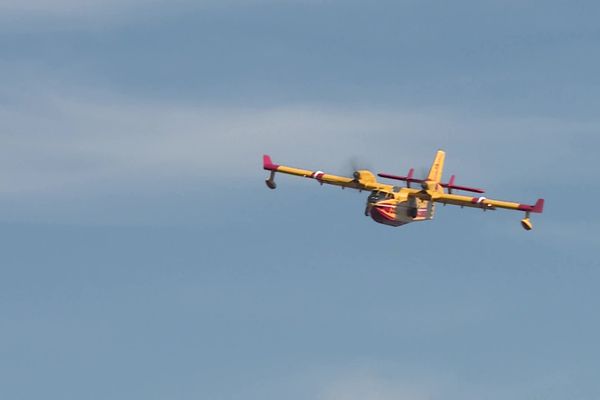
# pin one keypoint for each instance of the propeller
(355, 163)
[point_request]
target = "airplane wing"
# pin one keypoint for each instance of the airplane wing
(480, 202)
(362, 180)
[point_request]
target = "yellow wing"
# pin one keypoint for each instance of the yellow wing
(484, 203)
(479, 202)
(362, 180)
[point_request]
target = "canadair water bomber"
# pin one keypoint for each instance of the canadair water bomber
(397, 206)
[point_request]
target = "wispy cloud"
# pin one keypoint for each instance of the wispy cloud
(50, 142)
(80, 7)
(399, 382)
(368, 386)
(87, 15)
(22, 11)
(94, 14)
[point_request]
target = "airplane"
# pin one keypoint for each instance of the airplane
(396, 206)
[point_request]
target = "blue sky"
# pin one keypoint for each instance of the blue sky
(144, 258)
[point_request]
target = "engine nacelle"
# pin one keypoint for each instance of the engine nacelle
(365, 177)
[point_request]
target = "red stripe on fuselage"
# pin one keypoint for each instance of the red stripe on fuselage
(380, 214)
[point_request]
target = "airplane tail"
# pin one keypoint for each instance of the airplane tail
(435, 173)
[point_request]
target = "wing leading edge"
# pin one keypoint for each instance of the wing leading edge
(485, 203)
(362, 180)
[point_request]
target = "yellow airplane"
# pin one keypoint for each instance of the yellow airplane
(396, 206)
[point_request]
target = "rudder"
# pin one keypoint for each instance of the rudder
(437, 168)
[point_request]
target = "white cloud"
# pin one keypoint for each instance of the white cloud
(369, 386)
(67, 7)
(57, 142)
(50, 9)
(390, 381)
(96, 13)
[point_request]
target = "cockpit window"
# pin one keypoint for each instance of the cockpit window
(379, 196)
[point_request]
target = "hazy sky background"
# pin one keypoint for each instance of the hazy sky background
(143, 257)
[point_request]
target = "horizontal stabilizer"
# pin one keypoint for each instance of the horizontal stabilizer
(408, 178)
(464, 188)
(451, 186)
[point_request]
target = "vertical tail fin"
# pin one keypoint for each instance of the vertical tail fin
(435, 173)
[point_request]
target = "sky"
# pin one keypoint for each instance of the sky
(143, 257)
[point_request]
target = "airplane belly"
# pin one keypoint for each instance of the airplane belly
(401, 213)
(386, 217)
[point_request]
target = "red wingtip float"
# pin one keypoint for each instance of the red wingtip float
(391, 205)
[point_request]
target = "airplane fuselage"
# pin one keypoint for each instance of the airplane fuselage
(397, 209)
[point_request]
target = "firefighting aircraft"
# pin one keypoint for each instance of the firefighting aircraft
(396, 206)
